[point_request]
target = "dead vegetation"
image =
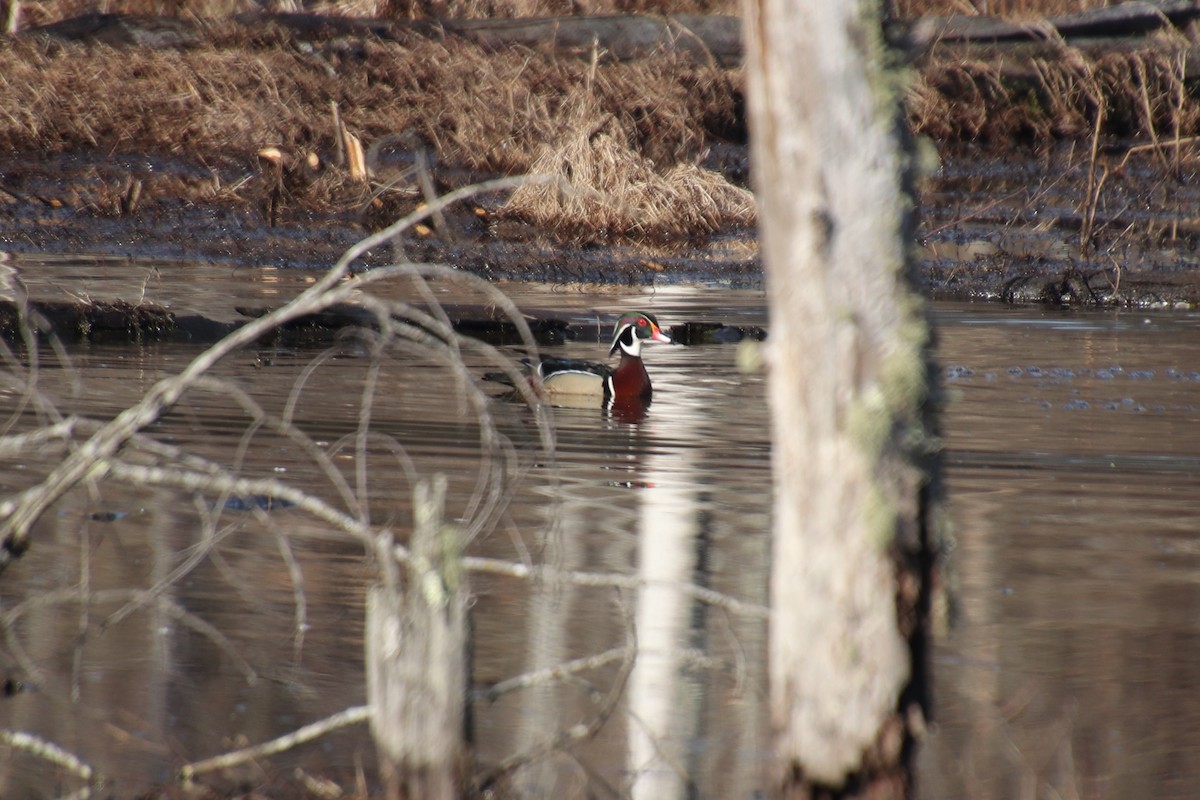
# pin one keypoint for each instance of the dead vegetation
(48, 11)
(628, 139)
(1038, 99)
(485, 113)
(606, 186)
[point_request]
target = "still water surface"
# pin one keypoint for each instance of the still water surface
(1073, 451)
(1064, 663)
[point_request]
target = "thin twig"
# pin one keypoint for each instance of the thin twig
(296, 574)
(51, 752)
(1140, 66)
(1142, 148)
(350, 716)
(1092, 197)
(19, 444)
(18, 514)
(584, 731)
(555, 673)
(613, 580)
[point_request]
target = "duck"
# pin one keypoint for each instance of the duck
(575, 382)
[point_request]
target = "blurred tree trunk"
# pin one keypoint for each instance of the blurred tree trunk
(849, 383)
(417, 651)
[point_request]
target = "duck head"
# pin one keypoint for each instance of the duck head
(633, 328)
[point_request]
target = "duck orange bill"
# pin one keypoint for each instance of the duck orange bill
(659, 336)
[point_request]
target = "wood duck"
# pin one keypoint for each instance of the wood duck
(574, 382)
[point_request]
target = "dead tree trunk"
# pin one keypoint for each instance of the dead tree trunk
(416, 659)
(848, 385)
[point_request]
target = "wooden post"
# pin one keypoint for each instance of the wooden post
(417, 658)
(848, 385)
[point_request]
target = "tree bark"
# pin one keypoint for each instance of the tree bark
(848, 385)
(417, 650)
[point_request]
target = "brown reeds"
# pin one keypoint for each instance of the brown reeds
(605, 186)
(479, 109)
(1039, 99)
(237, 92)
(48, 11)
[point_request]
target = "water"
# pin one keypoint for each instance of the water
(264, 634)
(1063, 660)
(1071, 467)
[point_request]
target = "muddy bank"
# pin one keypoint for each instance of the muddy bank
(75, 204)
(239, 147)
(117, 300)
(1018, 228)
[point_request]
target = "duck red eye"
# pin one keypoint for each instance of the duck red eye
(642, 322)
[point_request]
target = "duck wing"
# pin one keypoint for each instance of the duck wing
(575, 377)
(554, 367)
(559, 366)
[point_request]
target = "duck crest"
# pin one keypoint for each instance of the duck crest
(633, 328)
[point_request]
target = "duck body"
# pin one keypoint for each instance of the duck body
(572, 376)
(568, 376)
(575, 382)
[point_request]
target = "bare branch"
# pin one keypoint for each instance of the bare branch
(19, 443)
(51, 752)
(497, 566)
(18, 514)
(555, 673)
(350, 716)
(269, 487)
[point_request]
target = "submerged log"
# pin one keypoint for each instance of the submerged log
(709, 39)
(417, 647)
(121, 321)
(704, 38)
(92, 320)
(1124, 21)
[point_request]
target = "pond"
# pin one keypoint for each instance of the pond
(1063, 658)
(1072, 458)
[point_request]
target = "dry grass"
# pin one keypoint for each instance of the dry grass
(625, 135)
(485, 112)
(495, 110)
(482, 110)
(47, 11)
(53, 10)
(607, 187)
(1132, 94)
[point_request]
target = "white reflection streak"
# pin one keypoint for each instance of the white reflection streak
(666, 556)
(550, 606)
